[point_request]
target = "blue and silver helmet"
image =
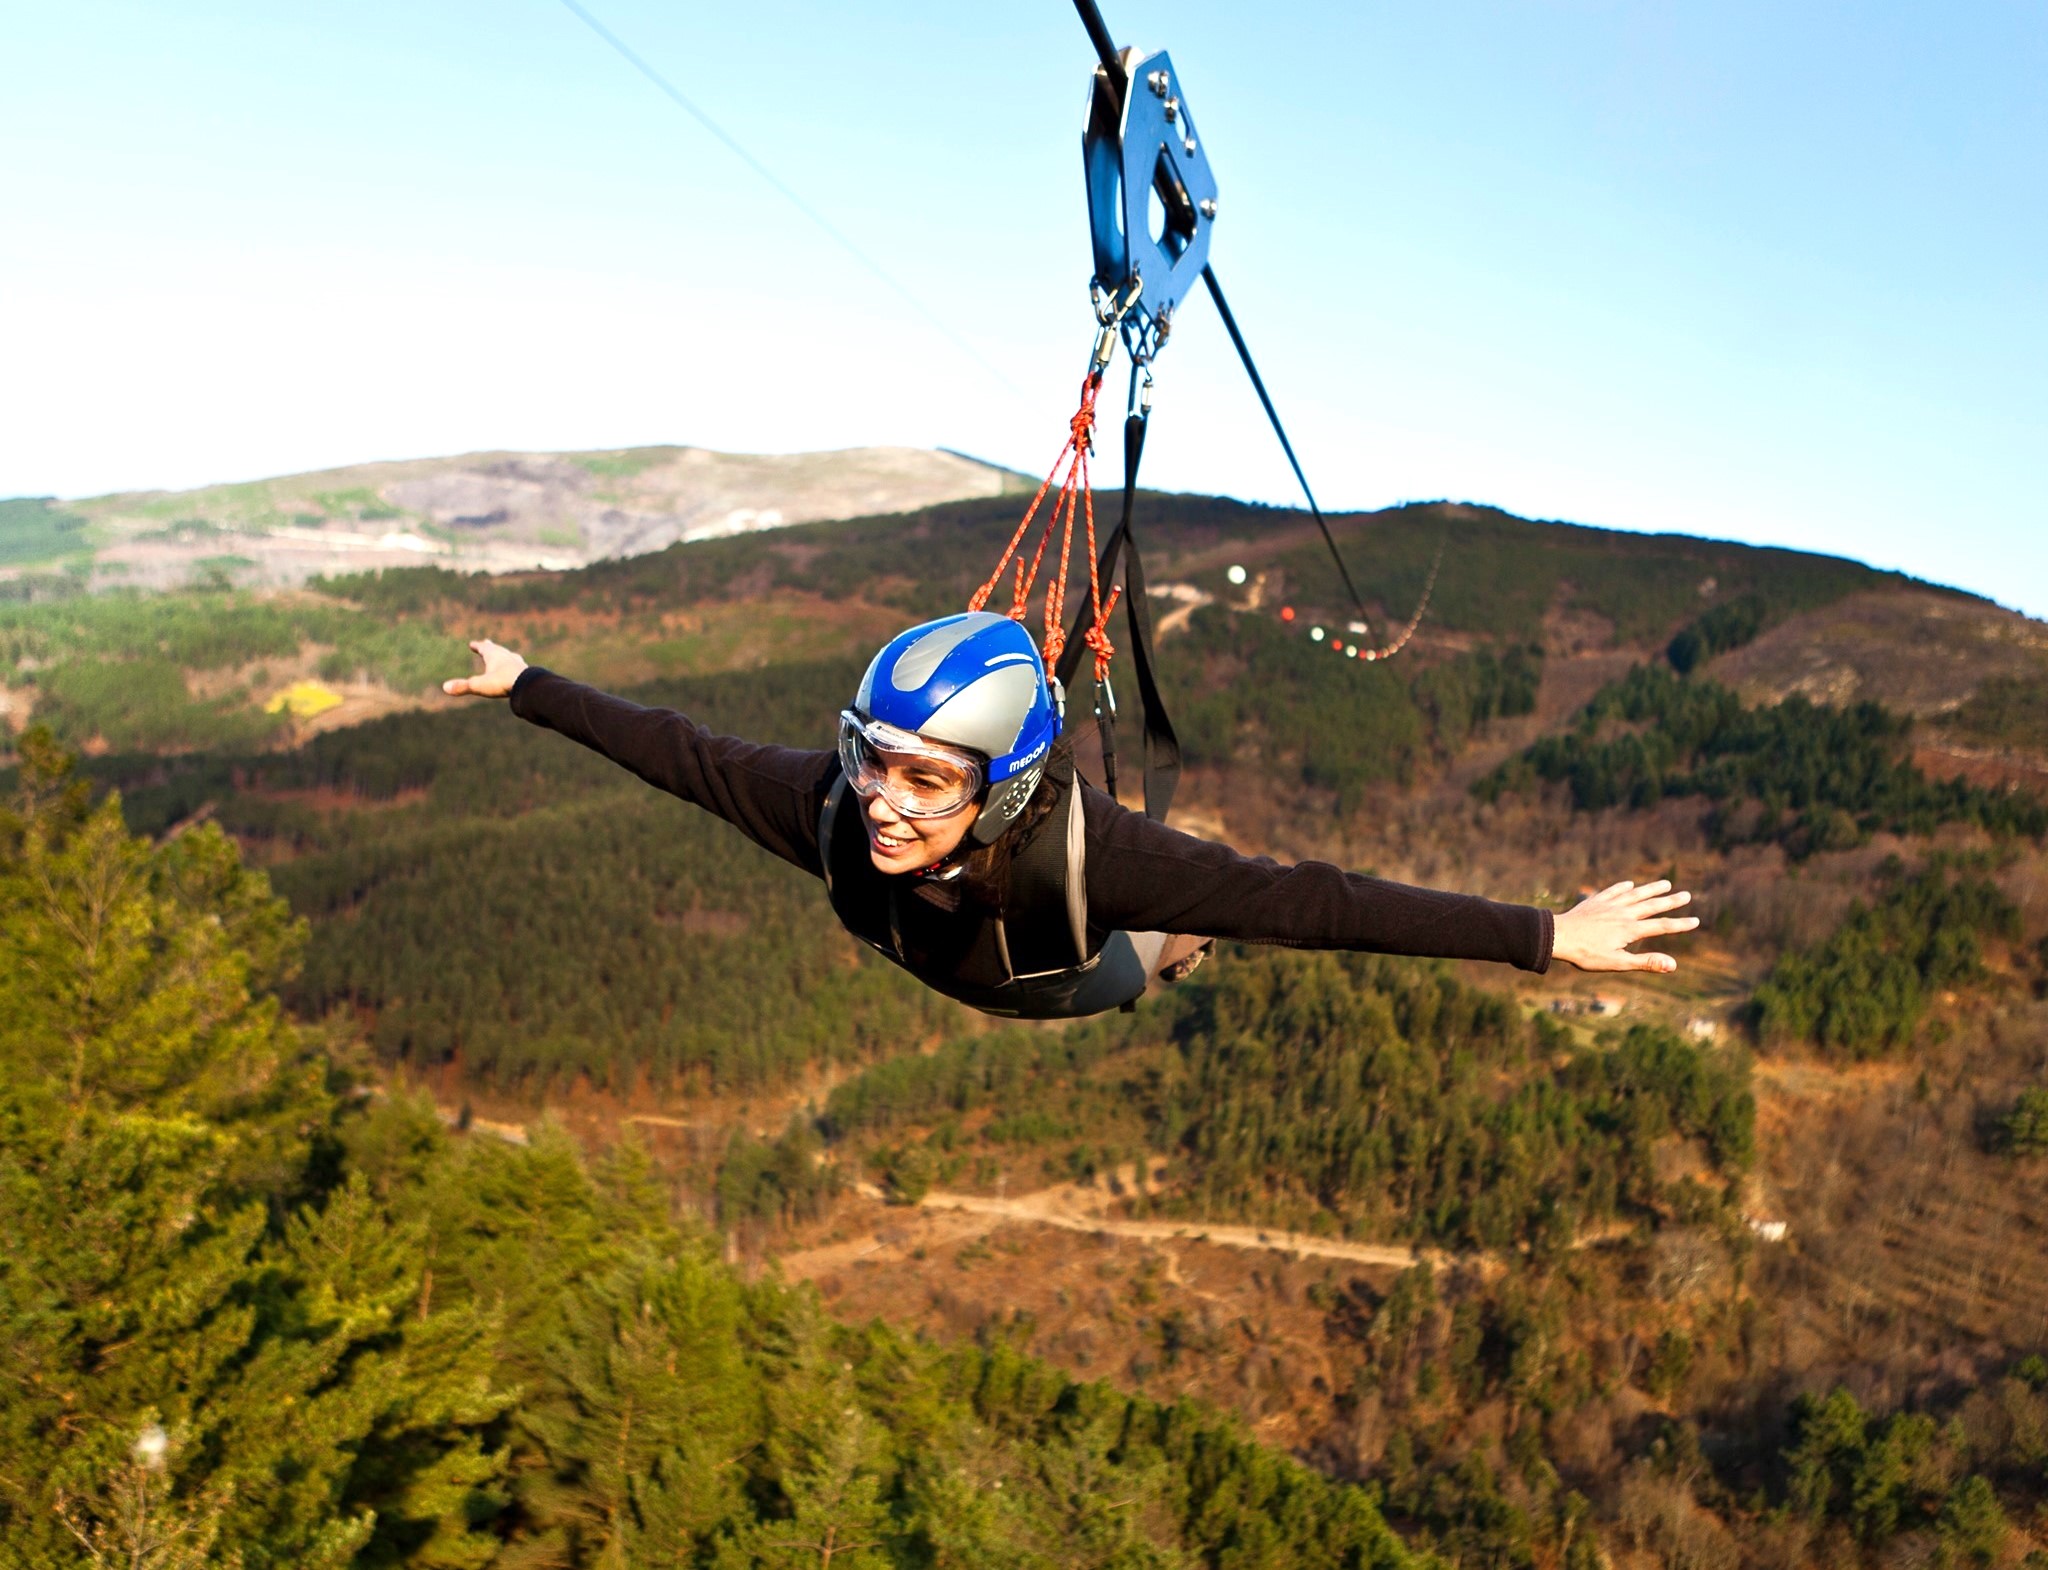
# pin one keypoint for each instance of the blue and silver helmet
(975, 681)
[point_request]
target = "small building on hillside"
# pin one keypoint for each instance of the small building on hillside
(1601, 1004)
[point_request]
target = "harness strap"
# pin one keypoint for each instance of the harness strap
(1049, 878)
(1162, 746)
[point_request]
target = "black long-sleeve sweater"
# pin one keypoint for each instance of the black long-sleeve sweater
(1142, 875)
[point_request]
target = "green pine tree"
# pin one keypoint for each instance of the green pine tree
(175, 1267)
(636, 1441)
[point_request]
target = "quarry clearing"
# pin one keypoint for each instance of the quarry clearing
(505, 511)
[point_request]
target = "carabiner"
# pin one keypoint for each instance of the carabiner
(1113, 311)
(1110, 310)
(1138, 399)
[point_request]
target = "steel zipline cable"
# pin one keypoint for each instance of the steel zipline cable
(676, 96)
(1244, 353)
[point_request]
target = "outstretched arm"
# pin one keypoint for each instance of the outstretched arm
(1146, 877)
(770, 794)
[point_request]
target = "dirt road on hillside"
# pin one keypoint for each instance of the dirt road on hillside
(945, 1217)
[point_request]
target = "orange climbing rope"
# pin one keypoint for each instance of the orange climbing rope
(1076, 497)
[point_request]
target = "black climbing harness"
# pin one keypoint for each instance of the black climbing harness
(1031, 960)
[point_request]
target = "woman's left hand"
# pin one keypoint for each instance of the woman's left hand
(1595, 934)
(497, 678)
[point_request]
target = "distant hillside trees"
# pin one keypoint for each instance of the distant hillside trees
(403, 627)
(114, 666)
(1876, 1479)
(1367, 1097)
(621, 938)
(1953, 1478)
(132, 705)
(1246, 687)
(1501, 574)
(2007, 711)
(34, 529)
(2023, 1131)
(1725, 627)
(1461, 695)
(1863, 991)
(775, 1183)
(1400, 1103)
(1812, 778)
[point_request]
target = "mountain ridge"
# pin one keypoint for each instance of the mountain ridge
(492, 511)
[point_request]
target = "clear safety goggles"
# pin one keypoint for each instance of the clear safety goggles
(918, 778)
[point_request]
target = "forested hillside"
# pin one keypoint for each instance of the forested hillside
(1745, 1265)
(206, 668)
(254, 1318)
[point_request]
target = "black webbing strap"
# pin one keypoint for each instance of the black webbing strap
(1162, 746)
(1244, 353)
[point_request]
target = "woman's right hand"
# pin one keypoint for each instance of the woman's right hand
(501, 670)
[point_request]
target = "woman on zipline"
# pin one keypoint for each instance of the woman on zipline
(954, 835)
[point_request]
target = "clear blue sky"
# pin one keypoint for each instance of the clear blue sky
(1766, 271)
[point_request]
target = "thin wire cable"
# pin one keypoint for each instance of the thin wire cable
(1244, 354)
(1388, 650)
(677, 97)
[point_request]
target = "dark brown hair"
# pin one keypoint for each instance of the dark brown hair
(985, 872)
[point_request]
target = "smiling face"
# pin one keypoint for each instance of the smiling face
(900, 844)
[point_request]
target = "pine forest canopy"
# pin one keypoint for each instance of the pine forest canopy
(253, 1318)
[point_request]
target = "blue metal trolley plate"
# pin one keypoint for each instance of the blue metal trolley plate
(1151, 195)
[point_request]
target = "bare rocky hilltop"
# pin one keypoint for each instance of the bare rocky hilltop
(503, 511)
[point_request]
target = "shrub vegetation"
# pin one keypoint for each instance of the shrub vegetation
(1863, 991)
